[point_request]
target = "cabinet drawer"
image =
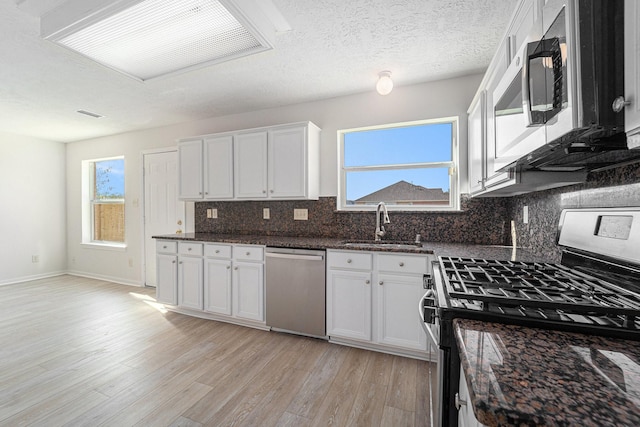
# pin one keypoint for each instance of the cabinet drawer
(194, 249)
(166, 247)
(402, 264)
(217, 251)
(350, 260)
(248, 253)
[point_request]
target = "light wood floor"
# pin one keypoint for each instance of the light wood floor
(82, 352)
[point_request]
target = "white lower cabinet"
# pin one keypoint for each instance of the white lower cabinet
(217, 290)
(372, 300)
(349, 304)
(466, 416)
(190, 276)
(167, 282)
(221, 281)
(248, 290)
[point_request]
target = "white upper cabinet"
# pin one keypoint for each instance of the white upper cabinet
(288, 162)
(206, 168)
(250, 165)
(218, 167)
(277, 162)
(190, 172)
(477, 144)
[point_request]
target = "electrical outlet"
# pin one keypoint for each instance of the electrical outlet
(525, 215)
(266, 213)
(208, 213)
(301, 214)
(214, 213)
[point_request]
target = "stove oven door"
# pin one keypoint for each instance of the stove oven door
(431, 326)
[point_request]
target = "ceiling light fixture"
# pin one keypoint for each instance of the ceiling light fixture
(146, 39)
(385, 84)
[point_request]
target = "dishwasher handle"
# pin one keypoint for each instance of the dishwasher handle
(295, 256)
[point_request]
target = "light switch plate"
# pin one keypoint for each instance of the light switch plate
(266, 213)
(525, 215)
(301, 214)
(208, 213)
(214, 213)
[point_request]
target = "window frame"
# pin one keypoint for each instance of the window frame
(89, 202)
(453, 165)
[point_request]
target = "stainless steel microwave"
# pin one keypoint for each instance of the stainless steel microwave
(553, 110)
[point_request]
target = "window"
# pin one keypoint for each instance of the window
(103, 210)
(409, 166)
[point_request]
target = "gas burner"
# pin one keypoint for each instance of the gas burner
(549, 292)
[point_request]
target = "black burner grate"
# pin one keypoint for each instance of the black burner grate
(552, 292)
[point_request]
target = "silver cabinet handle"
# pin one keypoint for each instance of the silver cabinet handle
(188, 249)
(218, 251)
(367, 281)
(173, 262)
(235, 268)
(229, 267)
(180, 262)
(401, 264)
(248, 253)
(164, 247)
(349, 261)
(459, 402)
(619, 103)
(380, 283)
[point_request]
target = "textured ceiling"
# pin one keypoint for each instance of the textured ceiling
(335, 48)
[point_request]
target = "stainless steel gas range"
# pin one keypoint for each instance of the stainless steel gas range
(594, 290)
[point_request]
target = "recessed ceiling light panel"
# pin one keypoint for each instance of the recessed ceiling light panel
(152, 38)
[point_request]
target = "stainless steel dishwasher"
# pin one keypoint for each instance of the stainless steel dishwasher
(295, 291)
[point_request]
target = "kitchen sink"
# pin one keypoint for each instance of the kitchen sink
(382, 244)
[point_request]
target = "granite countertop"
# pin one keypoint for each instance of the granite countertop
(436, 248)
(528, 377)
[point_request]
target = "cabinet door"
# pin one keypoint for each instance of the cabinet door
(632, 67)
(190, 170)
(190, 283)
(217, 286)
(477, 144)
(248, 290)
(466, 416)
(287, 165)
(250, 165)
(397, 321)
(349, 304)
(218, 168)
(167, 275)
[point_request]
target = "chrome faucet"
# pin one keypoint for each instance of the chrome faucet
(380, 228)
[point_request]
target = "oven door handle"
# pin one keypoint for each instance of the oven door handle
(434, 340)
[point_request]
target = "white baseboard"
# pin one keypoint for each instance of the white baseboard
(33, 277)
(113, 279)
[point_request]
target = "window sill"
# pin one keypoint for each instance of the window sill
(121, 247)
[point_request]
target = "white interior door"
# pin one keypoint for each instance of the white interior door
(163, 212)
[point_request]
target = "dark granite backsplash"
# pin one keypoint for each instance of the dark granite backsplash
(482, 221)
(619, 187)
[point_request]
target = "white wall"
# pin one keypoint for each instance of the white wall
(32, 217)
(424, 101)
